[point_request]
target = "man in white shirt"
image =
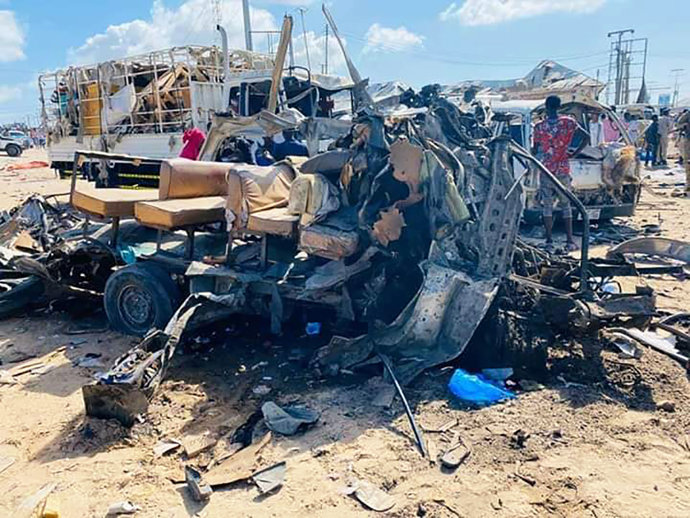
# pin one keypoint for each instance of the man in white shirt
(633, 128)
(596, 130)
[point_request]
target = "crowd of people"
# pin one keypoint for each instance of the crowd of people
(36, 135)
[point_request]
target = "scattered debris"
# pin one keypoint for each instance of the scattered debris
(122, 508)
(666, 406)
(455, 456)
(501, 374)
(288, 420)
(654, 246)
(35, 505)
(200, 490)
(5, 463)
(195, 444)
(656, 342)
(271, 478)
(165, 446)
(261, 390)
(626, 345)
(240, 466)
(371, 496)
(89, 361)
(451, 423)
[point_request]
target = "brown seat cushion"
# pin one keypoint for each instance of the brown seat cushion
(254, 188)
(328, 242)
(110, 203)
(277, 222)
(183, 178)
(170, 214)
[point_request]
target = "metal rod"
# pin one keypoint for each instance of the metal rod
(247, 26)
(410, 416)
(584, 250)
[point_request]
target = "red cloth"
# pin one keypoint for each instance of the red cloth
(193, 140)
(553, 138)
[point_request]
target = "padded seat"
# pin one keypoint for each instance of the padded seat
(328, 242)
(176, 213)
(110, 203)
(276, 222)
(253, 189)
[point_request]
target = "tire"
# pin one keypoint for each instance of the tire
(140, 297)
(13, 150)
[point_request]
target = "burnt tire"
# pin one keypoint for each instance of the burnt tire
(140, 297)
(13, 150)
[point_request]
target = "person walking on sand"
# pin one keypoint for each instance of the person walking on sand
(651, 137)
(665, 127)
(552, 138)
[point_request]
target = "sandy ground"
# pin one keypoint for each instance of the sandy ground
(598, 448)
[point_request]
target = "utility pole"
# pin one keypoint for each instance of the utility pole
(247, 26)
(676, 87)
(621, 59)
(304, 34)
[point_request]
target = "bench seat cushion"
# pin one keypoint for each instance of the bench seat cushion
(328, 242)
(108, 202)
(276, 222)
(170, 214)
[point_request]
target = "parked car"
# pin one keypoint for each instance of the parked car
(22, 137)
(11, 145)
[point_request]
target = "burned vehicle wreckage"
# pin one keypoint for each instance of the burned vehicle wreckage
(402, 235)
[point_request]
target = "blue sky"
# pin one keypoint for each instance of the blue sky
(415, 42)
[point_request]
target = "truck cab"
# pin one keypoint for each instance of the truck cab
(606, 178)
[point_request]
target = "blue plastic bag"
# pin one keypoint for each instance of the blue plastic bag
(313, 328)
(477, 389)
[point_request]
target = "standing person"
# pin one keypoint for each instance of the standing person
(632, 126)
(596, 130)
(651, 137)
(611, 133)
(192, 139)
(683, 129)
(665, 127)
(552, 138)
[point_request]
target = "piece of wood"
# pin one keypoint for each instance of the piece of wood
(195, 444)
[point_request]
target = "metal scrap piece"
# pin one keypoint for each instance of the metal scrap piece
(270, 478)
(389, 226)
(660, 246)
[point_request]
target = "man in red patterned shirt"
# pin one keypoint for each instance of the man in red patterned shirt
(552, 139)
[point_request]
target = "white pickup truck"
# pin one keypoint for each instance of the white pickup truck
(606, 178)
(11, 145)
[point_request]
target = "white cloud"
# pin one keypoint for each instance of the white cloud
(488, 12)
(11, 38)
(387, 39)
(190, 23)
(9, 93)
(317, 52)
(286, 2)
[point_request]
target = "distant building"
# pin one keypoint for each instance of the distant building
(665, 100)
(547, 78)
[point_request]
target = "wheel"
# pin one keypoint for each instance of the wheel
(13, 150)
(140, 297)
